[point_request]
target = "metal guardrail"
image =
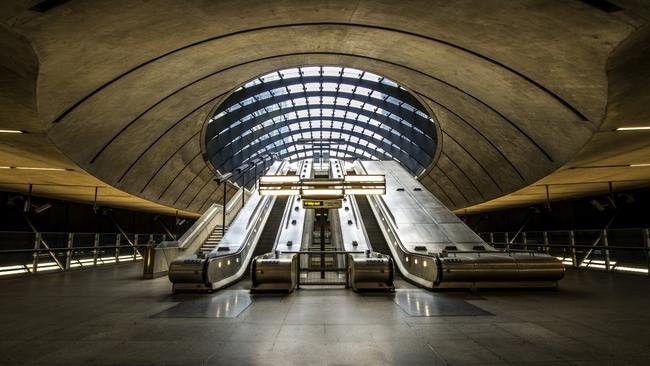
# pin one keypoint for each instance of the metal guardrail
(34, 252)
(322, 267)
(618, 250)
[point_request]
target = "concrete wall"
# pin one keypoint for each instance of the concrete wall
(517, 86)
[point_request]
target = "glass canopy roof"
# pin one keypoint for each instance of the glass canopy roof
(319, 111)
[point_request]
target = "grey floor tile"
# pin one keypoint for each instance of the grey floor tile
(112, 325)
(458, 351)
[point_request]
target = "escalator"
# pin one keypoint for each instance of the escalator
(266, 242)
(375, 236)
(270, 231)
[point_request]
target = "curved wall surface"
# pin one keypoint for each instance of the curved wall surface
(517, 88)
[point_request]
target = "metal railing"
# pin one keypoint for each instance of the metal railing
(26, 253)
(616, 250)
(322, 267)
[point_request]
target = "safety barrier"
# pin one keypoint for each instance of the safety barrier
(616, 250)
(26, 253)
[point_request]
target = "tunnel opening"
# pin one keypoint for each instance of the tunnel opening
(318, 112)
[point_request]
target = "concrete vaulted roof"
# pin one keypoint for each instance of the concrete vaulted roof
(527, 93)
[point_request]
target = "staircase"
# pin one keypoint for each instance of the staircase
(375, 236)
(212, 242)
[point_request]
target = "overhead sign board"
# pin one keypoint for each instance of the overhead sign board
(312, 203)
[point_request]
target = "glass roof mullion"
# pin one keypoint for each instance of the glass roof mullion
(376, 117)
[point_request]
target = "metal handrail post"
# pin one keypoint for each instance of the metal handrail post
(68, 256)
(505, 235)
(37, 245)
(135, 242)
(96, 251)
(491, 237)
(572, 240)
(646, 237)
(118, 239)
(606, 246)
(546, 247)
(524, 240)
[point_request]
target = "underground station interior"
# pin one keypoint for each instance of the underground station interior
(294, 182)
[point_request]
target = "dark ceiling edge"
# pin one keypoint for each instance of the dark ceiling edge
(290, 25)
(512, 165)
(487, 172)
(445, 194)
(453, 184)
(162, 135)
(209, 196)
(153, 176)
(177, 174)
(206, 181)
(189, 184)
(470, 180)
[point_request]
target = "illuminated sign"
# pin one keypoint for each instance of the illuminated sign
(308, 203)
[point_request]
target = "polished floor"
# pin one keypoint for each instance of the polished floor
(109, 316)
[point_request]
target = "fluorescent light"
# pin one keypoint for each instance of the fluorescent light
(32, 168)
(365, 191)
(632, 269)
(15, 271)
(633, 128)
(322, 192)
(278, 192)
(639, 165)
(279, 179)
(11, 267)
(365, 178)
(11, 131)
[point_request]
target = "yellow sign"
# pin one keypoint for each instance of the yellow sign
(321, 203)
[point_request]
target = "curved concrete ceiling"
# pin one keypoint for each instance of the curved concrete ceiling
(123, 88)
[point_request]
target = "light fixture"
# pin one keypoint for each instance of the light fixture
(365, 178)
(364, 191)
(278, 192)
(639, 165)
(631, 269)
(633, 128)
(322, 192)
(11, 131)
(279, 179)
(34, 168)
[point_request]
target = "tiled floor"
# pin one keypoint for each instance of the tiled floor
(107, 316)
